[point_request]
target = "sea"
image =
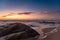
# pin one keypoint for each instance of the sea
(36, 25)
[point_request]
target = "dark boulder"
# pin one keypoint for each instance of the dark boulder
(13, 28)
(30, 34)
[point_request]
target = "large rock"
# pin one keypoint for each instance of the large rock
(16, 28)
(26, 35)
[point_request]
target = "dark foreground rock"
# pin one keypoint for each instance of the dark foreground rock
(31, 34)
(16, 29)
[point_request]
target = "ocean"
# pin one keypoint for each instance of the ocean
(36, 25)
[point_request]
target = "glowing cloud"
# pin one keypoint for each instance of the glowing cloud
(32, 16)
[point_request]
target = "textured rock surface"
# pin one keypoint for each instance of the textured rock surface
(20, 32)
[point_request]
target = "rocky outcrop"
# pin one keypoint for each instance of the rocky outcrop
(20, 32)
(31, 34)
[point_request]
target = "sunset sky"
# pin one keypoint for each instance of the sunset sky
(42, 9)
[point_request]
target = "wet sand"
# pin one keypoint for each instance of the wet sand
(54, 36)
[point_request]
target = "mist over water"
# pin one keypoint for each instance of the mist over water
(33, 23)
(36, 25)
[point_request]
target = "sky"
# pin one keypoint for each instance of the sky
(29, 5)
(42, 6)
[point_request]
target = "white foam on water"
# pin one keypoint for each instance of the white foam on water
(37, 26)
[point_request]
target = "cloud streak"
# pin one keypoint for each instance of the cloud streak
(31, 16)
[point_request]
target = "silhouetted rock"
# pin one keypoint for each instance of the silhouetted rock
(13, 28)
(30, 34)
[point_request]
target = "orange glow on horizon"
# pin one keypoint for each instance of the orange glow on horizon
(27, 17)
(20, 17)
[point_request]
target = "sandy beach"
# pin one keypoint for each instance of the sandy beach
(53, 36)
